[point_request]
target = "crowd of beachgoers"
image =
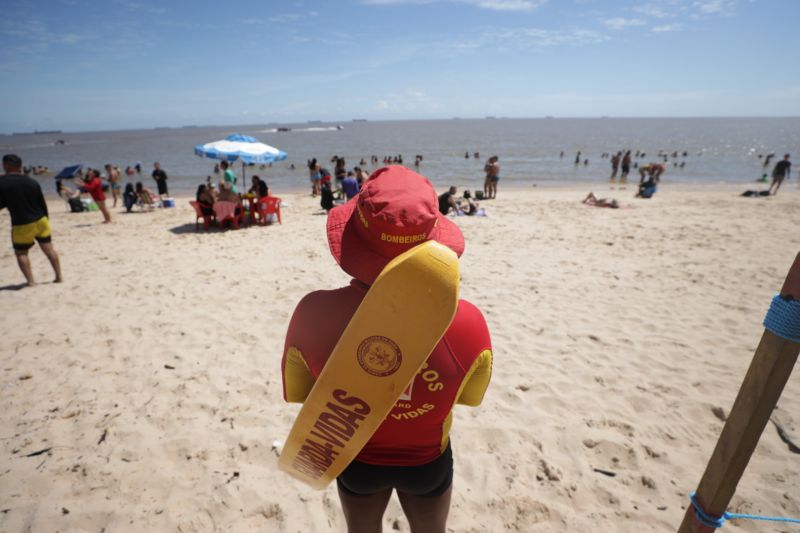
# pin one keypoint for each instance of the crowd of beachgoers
(342, 182)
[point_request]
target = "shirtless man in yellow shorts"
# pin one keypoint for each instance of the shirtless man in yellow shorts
(23, 197)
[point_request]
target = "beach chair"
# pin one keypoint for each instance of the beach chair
(198, 211)
(227, 211)
(147, 201)
(267, 206)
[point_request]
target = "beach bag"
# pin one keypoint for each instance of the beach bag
(75, 205)
(479, 195)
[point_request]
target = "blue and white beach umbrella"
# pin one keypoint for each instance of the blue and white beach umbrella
(237, 147)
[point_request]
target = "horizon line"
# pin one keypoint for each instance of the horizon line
(366, 119)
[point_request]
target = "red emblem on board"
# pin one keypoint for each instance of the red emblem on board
(379, 356)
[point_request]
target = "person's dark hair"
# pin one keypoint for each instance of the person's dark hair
(467, 194)
(200, 190)
(312, 163)
(263, 189)
(139, 186)
(224, 164)
(453, 189)
(95, 173)
(129, 188)
(12, 161)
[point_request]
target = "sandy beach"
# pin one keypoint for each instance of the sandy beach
(151, 376)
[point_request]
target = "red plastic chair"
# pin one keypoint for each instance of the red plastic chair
(227, 211)
(269, 205)
(198, 211)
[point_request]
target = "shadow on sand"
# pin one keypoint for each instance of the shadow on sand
(14, 287)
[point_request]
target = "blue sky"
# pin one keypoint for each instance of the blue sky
(114, 64)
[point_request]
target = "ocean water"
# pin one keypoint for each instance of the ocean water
(718, 149)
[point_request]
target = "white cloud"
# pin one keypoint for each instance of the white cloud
(508, 5)
(658, 11)
(619, 23)
(664, 28)
(713, 7)
(139, 6)
(286, 18)
(495, 5)
(533, 38)
(410, 100)
(526, 38)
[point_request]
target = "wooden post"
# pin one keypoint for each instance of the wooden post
(768, 373)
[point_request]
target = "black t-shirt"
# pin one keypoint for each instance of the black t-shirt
(23, 197)
(781, 168)
(159, 175)
(444, 202)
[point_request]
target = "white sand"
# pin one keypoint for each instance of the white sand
(616, 332)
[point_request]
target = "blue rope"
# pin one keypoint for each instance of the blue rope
(783, 318)
(717, 522)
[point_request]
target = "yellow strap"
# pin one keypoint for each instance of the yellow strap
(401, 319)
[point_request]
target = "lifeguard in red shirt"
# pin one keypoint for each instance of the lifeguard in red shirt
(410, 452)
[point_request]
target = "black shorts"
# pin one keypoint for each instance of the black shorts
(430, 479)
(162, 187)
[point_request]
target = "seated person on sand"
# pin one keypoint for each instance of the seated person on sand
(226, 193)
(591, 199)
(254, 185)
(467, 206)
(65, 192)
(212, 190)
(205, 199)
(447, 201)
(326, 196)
(263, 189)
(145, 195)
(129, 197)
(647, 189)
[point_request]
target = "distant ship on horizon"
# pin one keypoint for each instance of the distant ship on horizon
(46, 132)
(359, 120)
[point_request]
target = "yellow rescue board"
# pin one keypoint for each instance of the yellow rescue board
(403, 316)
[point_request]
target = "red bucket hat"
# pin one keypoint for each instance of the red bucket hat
(395, 210)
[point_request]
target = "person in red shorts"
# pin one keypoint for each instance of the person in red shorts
(94, 187)
(410, 452)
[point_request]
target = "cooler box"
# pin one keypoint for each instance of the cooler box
(169, 202)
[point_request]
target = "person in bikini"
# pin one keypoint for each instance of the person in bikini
(411, 450)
